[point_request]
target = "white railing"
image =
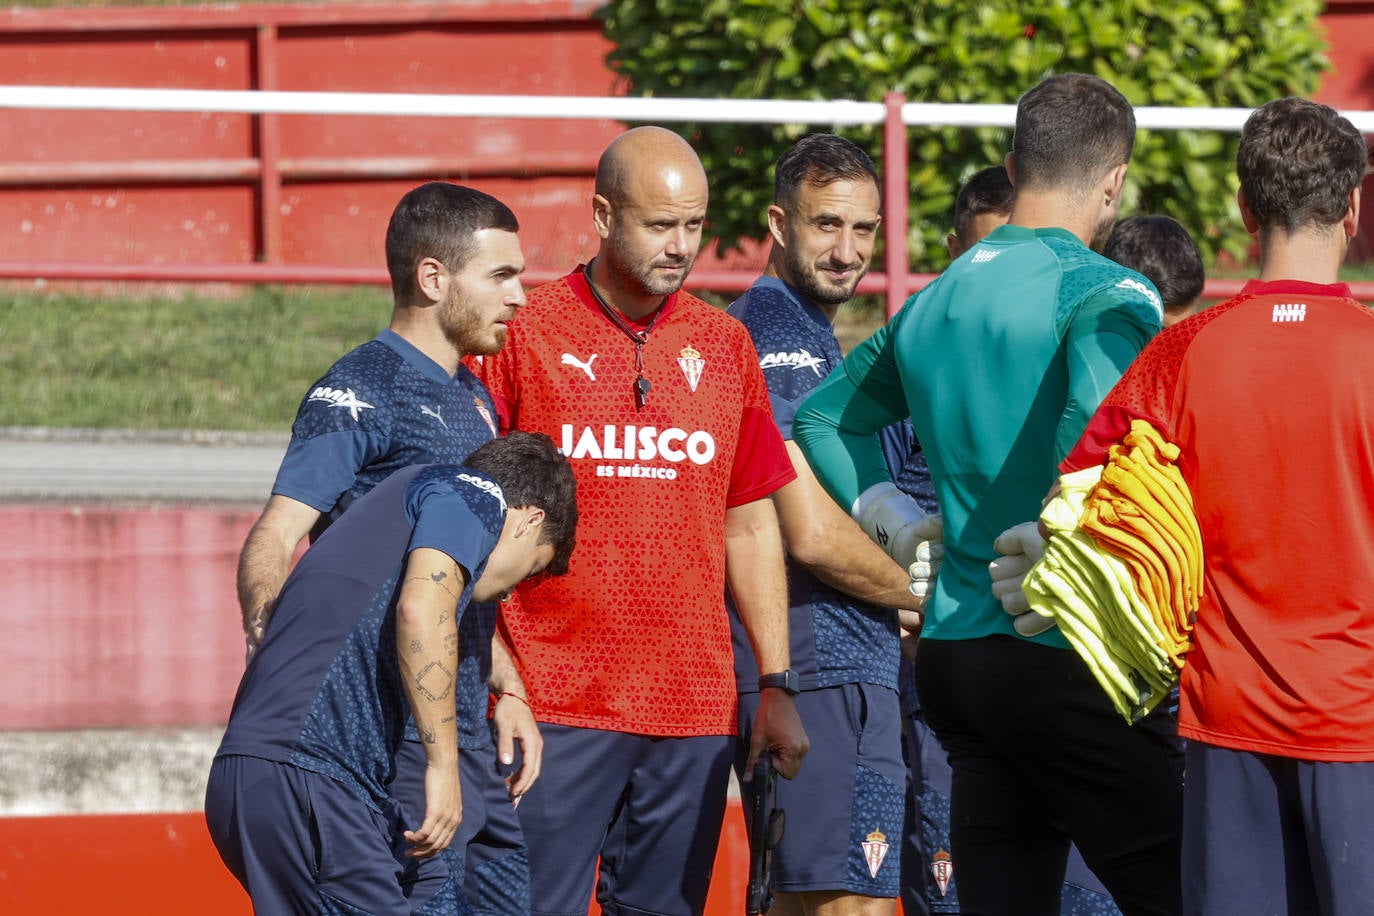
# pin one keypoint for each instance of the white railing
(759, 111)
(894, 114)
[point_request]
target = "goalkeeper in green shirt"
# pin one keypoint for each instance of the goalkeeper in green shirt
(999, 363)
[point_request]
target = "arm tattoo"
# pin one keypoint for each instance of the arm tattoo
(439, 578)
(416, 645)
(428, 735)
(434, 681)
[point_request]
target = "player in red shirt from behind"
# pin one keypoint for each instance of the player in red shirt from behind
(658, 400)
(1270, 399)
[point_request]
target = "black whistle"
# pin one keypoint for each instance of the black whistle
(642, 387)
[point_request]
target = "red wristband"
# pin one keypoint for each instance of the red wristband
(507, 693)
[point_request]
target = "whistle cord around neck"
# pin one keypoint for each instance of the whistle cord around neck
(638, 338)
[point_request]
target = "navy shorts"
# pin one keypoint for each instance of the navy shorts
(302, 843)
(929, 882)
(843, 813)
(651, 808)
(1265, 834)
(489, 845)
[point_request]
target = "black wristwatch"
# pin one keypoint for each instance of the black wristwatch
(787, 680)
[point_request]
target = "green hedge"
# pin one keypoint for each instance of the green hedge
(1157, 52)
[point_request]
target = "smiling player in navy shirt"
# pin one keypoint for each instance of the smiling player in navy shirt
(845, 808)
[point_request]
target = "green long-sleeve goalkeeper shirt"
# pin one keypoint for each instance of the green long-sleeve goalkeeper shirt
(999, 363)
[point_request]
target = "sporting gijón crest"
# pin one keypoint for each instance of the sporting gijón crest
(875, 848)
(942, 867)
(692, 365)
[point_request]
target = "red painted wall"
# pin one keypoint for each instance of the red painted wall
(129, 188)
(121, 617)
(1348, 25)
(122, 188)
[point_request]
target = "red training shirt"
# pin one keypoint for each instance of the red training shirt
(1270, 397)
(635, 638)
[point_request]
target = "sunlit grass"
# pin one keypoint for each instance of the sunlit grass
(236, 363)
(231, 361)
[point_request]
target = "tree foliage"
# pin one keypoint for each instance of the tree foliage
(1222, 53)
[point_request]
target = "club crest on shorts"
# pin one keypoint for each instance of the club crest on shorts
(485, 414)
(875, 850)
(692, 365)
(942, 867)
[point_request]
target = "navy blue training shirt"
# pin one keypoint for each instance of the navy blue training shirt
(835, 639)
(382, 407)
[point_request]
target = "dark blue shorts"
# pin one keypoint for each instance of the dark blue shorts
(489, 845)
(651, 808)
(302, 843)
(1265, 834)
(844, 810)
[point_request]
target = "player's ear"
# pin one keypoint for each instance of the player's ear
(531, 522)
(1009, 163)
(1351, 221)
(1247, 216)
(777, 224)
(601, 215)
(431, 279)
(1113, 185)
(955, 246)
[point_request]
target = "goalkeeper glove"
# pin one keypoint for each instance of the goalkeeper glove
(1019, 548)
(929, 553)
(895, 523)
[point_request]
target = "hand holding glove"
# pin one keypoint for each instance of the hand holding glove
(1019, 548)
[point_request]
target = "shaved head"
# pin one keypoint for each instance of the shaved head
(649, 209)
(637, 154)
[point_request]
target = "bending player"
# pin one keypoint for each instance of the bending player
(364, 637)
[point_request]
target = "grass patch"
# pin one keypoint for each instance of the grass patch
(237, 361)
(175, 362)
(240, 361)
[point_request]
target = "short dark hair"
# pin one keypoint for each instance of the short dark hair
(988, 190)
(1162, 250)
(437, 220)
(820, 159)
(1071, 129)
(1298, 163)
(533, 473)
